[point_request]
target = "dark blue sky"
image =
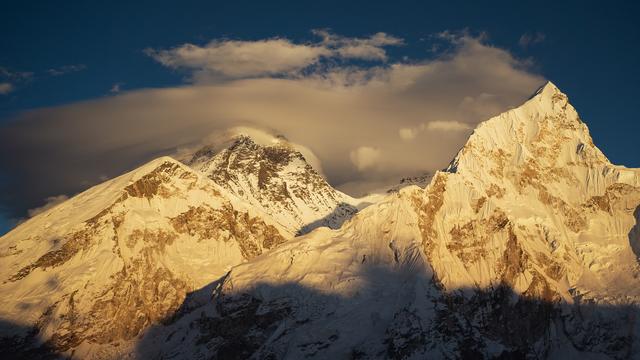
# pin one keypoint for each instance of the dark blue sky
(590, 51)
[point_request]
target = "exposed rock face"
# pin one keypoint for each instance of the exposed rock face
(252, 234)
(90, 275)
(522, 248)
(277, 180)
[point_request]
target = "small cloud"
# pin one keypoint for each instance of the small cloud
(5, 88)
(11, 78)
(115, 88)
(15, 75)
(371, 48)
(407, 133)
(483, 106)
(459, 37)
(365, 157)
(237, 59)
(50, 202)
(528, 39)
(66, 69)
(447, 126)
(364, 52)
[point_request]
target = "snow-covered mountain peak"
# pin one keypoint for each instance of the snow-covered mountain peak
(549, 100)
(548, 89)
(109, 262)
(160, 178)
(245, 153)
(277, 179)
(543, 133)
(536, 168)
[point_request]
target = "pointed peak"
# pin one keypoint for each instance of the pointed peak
(277, 143)
(546, 121)
(549, 86)
(548, 90)
(242, 143)
(207, 152)
(547, 99)
(277, 150)
(248, 140)
(242, 139)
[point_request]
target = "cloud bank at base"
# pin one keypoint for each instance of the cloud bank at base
(366, 125)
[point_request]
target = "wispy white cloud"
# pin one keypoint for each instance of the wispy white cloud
(365, 157)
(15, 75)
(10, 78)
(408, 133)
(66, 69)
(439, 125)
(115, 88)
(529, 39)
(370, 48)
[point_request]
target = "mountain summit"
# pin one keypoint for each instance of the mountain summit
(545, 131)
(277, 180)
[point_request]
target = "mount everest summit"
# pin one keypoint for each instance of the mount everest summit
(525, 247)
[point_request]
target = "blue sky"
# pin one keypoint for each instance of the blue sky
(58, 53)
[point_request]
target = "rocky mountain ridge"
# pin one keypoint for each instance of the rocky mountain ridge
(103, 266)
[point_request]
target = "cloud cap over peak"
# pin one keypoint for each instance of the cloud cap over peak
(350, 117)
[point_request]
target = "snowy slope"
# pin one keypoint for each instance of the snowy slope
(523, 248)
(276, 179)
(95, 271)
(538, 165)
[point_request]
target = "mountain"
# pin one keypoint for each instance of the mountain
(93, 272)
(276, 179)
(90, 275)
(526, 246)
